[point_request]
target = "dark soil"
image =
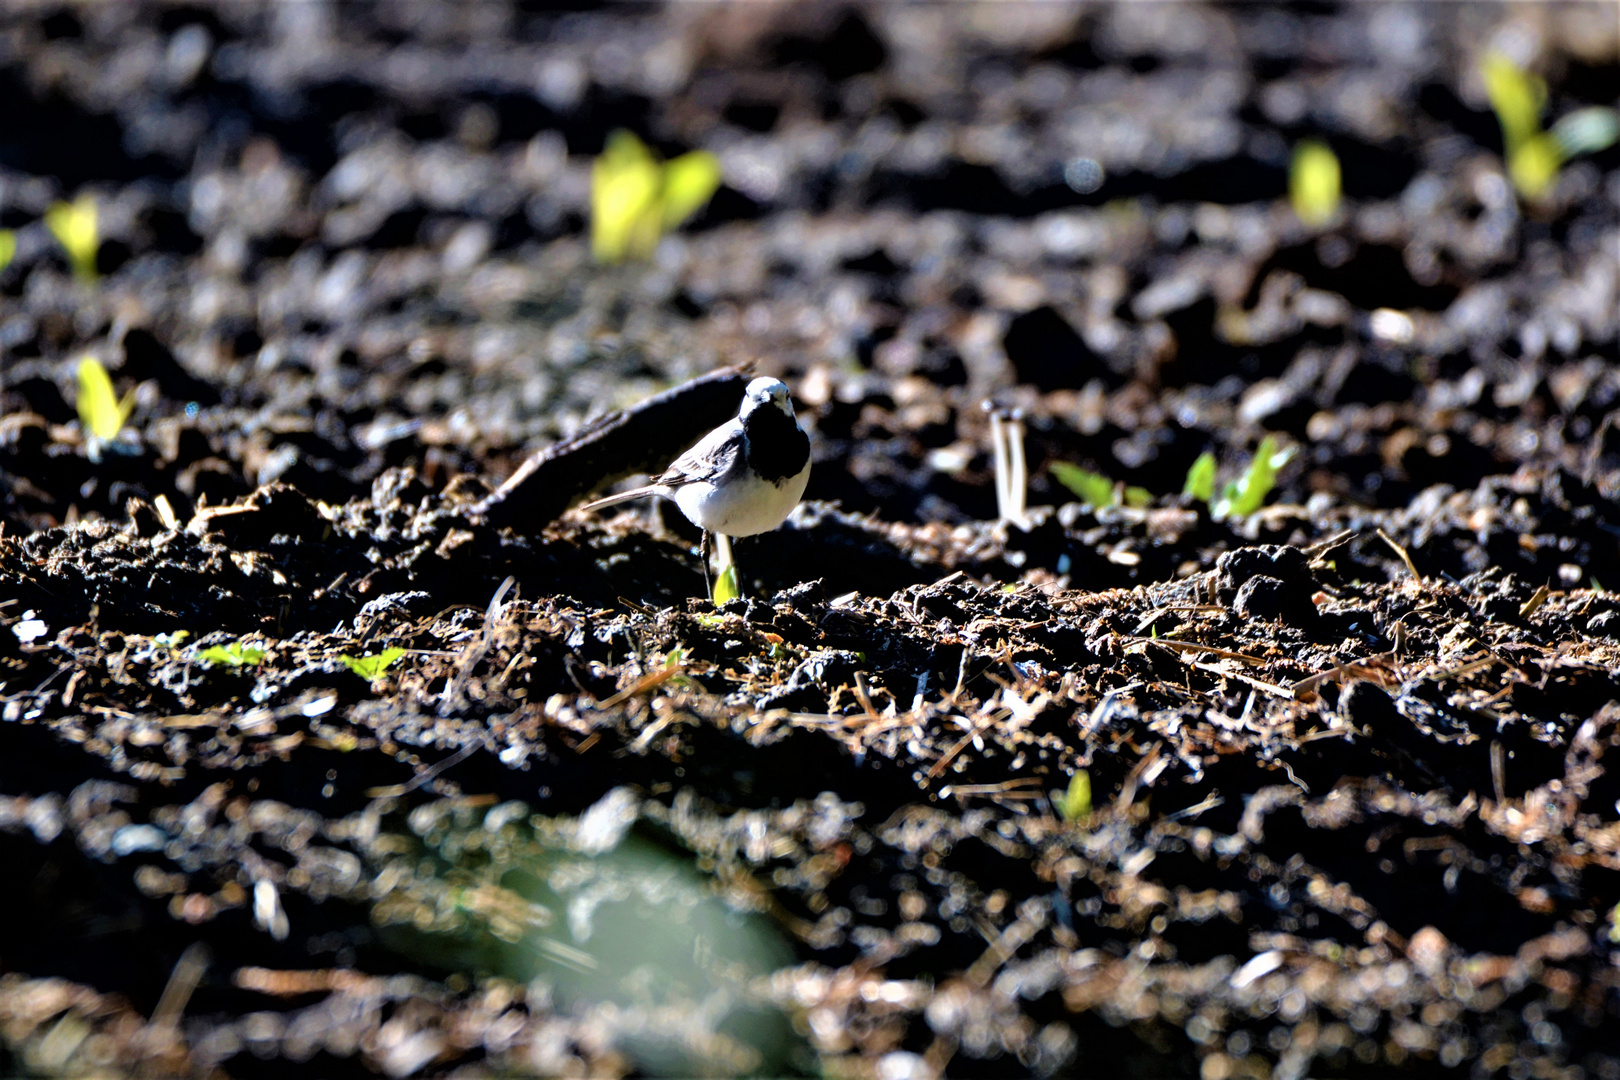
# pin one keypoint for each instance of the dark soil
(1352, 758)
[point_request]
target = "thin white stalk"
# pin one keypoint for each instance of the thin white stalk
(998, 451)
(1018, 473)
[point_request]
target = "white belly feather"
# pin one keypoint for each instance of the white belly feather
(744, 506)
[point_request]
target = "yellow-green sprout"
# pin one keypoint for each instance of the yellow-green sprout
(75, 228)
(1314, 183)
(371, 666)
(8, 247)
(1248, 492)
(1076, 802)
(101, 413)
(636, 197)
(1201, 478)
(1534, 156)
(233, 655)
(1095, 489)
(725, 586)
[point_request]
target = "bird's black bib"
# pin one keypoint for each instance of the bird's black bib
(777, 449)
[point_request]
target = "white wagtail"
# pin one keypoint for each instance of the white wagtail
(742, 478)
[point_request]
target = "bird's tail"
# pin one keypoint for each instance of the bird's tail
(626, 496)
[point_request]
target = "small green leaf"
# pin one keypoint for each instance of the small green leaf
(1586, 131)
(624, 193)
(100, 412)
(1248, 493)
(8, 247)
(1201, 478)
(172, 640)
(1517, 97)
(636, 198)
(235, 654)
(74, 226)
(725, 586)
(1076, 804)
(1534, 165)
(371, 666)
(1138, 497)
(1094, 489)
(1314, 183)
(690, 181)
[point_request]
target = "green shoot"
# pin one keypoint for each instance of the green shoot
(725, 586)
(636, 198)
(74, 226)
(1093, 489)
(1534, 156)
(1248, 492)
(101, 413)
(1097, 490)
(1314, 183)
(1076, 803)
(235, 654)
(8, 247)
(172, 641)
(1201, 478)
(370, 666)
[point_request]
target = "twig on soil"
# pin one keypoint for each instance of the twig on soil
(427, 774)
(1405, 558)
(1196, 647)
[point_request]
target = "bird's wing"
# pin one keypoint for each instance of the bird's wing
(714, 455)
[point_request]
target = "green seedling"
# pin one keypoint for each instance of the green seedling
(370, 666)
(1314, 183)
(8, 247)
(1097, 490)
(725, 586)
(1247, 493)
(1534, 156)
(1076, 803)
(101, 412)
(172, 641)
(233, 655)
(636, 198)
(74, 226)
(1201, 478)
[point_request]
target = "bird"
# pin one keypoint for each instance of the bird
(742, 478)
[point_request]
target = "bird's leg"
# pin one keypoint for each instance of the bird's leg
(708, 588)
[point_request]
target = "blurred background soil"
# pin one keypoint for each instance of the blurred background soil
(1348, 814)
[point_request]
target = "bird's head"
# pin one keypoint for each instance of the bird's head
(764, 392)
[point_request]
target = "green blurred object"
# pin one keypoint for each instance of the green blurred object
(725, 586)
(1201, 478)
(1076, 804)
(102, 413)
(1534, 156)
(369, 667)
(235, 654)
(636, 197)
(1093, 489)
(1246, 494)
(8, 247)
(1314, 183)
(75, 227)
(597, 915)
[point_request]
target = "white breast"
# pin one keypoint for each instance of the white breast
(743, 507)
